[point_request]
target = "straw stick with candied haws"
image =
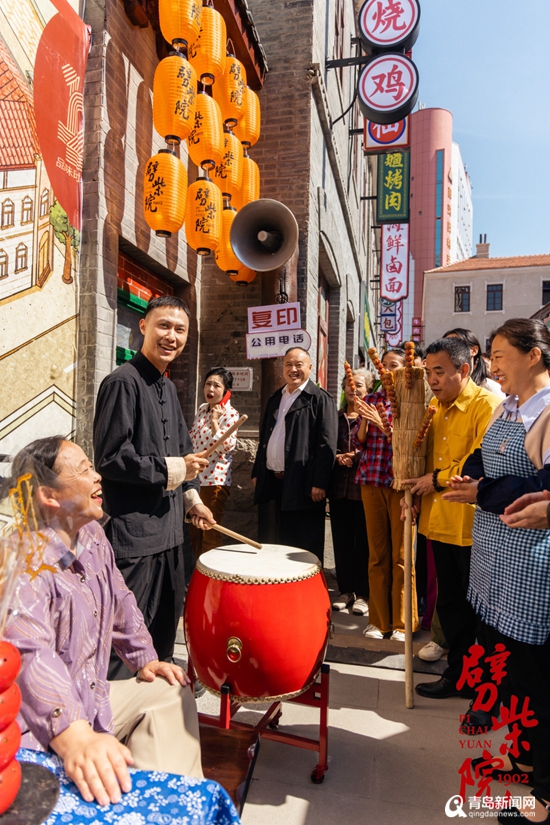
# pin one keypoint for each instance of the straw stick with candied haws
(424, 427)
(409, 364)
(349, 376)
(408, 462)
(385, 422)
(375, 358)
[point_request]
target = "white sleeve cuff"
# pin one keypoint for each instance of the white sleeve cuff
(177, 471)
(190, 498)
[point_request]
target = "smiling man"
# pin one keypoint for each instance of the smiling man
(295, 458)
(144, 453)
(458, 427)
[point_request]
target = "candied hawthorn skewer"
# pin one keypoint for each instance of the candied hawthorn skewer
(409, 364)
(385, 423)
(424, 427)
(349, 376)
(375, 358)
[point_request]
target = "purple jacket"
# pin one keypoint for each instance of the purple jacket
(63, 624)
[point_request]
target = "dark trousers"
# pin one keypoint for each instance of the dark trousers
(295, 528)
(351, 548)
(158, 583)
(528, 669)
(456, 614)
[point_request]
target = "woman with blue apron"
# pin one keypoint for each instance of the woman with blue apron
(510, 568)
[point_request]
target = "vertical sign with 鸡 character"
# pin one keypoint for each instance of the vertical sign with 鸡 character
(394, 261)
(393, 187)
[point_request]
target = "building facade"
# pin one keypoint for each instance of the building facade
(481, 293)
(98, 279)
(441, 218)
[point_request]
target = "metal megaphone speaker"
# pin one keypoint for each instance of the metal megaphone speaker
(264, 235)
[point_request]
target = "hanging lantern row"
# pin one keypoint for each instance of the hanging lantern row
(200, 95)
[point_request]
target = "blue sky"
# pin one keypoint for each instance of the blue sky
(488, 62)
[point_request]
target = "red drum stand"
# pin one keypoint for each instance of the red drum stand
(316, 696)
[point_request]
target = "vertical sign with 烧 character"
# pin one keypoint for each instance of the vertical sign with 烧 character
(394, 261)
(393, 186)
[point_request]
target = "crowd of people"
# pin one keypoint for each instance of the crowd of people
(106, 607)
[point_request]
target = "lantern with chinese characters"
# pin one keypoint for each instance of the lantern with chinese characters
(164, 193)
(180, 21)
(174, 98)
(203, 217)
(248, 129)
(250, 185)
(225, 257)
(207, 53)
(229, 91)
(229, 173)
(205, 142)
(244, 276)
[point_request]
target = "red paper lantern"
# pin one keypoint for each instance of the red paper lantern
(229, 91)
(248, 129)
(229, 173)
(180, 20)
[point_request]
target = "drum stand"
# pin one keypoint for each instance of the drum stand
(315, 696)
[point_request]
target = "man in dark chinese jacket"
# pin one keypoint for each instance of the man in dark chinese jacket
(144, 453)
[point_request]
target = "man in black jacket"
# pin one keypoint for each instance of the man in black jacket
(145, 456)
(295, 458)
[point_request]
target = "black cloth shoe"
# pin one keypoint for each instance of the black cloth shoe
(441, 689)
(476, 722)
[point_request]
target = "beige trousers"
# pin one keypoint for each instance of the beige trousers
(159, 723)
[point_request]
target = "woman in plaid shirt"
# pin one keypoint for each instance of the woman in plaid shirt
(382, 514)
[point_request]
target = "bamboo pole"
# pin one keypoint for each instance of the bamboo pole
(237, 536)
(408, 552)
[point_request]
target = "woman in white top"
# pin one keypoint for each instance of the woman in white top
(213, 418)
(480, 373)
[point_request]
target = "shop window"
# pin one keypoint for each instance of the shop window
(545, 292)
(130, 309)
(462, 298)
(44, 267)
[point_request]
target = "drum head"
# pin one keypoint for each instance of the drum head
(273, 564)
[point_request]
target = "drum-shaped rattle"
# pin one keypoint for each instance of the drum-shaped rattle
(257, 620)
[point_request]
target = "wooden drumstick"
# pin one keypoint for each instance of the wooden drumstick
(224, 437)
(237, 536)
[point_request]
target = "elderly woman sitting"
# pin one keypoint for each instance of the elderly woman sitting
(64, 620)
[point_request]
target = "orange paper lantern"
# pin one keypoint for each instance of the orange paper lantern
(203, 217)
(244, 277)
(164, 193)
(250, 185)
(180, 20)
(205, 141)
(226, 259)
(174, 98)
(229, 173)
(229, 91)
(248, 129)
(207, 53)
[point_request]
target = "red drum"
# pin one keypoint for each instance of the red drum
(258, 620)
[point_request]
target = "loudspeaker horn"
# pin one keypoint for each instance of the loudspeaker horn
(264, 234)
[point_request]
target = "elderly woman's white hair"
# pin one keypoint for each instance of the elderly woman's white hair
(367, 375)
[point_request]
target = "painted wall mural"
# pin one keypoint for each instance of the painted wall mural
(43, 52)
